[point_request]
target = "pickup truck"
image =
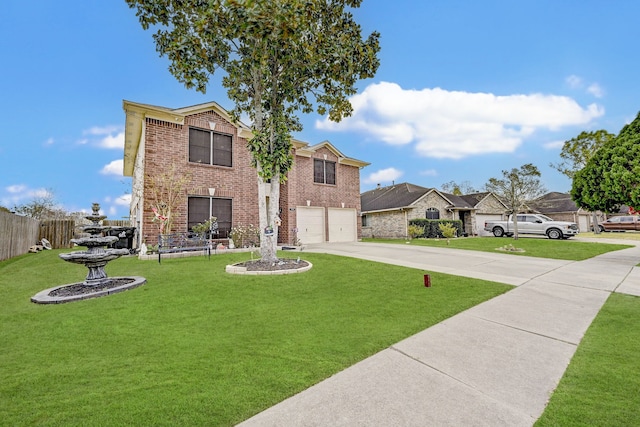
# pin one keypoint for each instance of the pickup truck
(621, 223)
(533, 224)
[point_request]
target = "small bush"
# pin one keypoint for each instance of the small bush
(447, 230)
(245, 236)
(432, 227)
(415, 231)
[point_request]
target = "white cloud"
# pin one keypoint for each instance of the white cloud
(574, 81)
(383, 175)
(124, 200)
(110, 137)
(49, 141)
(453, 124)
(113, 141)
(553, 145)
(18, 194)
(18, 188)
(116, 167)
(102, 130)
(429, 172)
(595, 90)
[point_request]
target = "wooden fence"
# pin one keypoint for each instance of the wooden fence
(17, 234)
(58, 232)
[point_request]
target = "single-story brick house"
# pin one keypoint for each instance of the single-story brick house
(320, 200)
(560, 207)
(386, 211)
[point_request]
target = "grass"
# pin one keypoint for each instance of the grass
(617, 235)
(197, 346)
(535, 247)
(601, 387)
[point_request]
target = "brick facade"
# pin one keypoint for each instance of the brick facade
(165, 142)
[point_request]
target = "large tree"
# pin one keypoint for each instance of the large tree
(42, 206)
(517, 188)
(459, 189)
(280, 57)
(577, 151)
(612, 176)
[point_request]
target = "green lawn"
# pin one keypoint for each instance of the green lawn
(601, 387)
(535, 247)
(197, 346)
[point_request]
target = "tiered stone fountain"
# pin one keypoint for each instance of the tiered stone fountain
(97, 283)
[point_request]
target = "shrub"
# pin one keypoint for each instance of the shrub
(414, 231)
(447, 230)
(432, 226)
(245, 236)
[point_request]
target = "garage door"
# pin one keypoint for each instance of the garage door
(583, 223)
(343, 225)
(310, 223)
(481, 218)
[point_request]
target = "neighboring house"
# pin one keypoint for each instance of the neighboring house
(386, 211)
(560, 207)
(320, 200)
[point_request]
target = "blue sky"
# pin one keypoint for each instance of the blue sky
(465, 89)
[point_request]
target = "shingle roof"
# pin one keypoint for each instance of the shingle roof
(392, 197)
(554, 202)
(403, 195)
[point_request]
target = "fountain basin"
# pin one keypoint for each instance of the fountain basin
(81, 291)
(84, 257)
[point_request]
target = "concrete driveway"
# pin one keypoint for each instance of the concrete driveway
(495, 364)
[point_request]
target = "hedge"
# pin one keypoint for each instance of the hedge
(432, 229)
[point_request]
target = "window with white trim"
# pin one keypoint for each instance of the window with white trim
(202, 208)
(324, 172)
(210, 147)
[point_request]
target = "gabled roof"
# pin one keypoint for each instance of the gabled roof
(137, 113)
(554, 202)
(405, 195)
(392, 197)
(305, 150)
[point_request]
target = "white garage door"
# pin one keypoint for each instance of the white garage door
(310, 223)
(583, 223)
(343, 225)
(481, 218)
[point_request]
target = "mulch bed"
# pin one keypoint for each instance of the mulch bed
(281, 264)
(82, 289)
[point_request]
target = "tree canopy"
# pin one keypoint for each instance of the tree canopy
(452, 187)
(280, 57)
(577, 151)
(611, 177)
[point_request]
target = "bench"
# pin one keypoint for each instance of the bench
(183, 242)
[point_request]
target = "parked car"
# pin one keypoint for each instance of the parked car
(621, 223)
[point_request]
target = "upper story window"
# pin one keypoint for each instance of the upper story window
(433, 213)
(324, 172)
(209, 147)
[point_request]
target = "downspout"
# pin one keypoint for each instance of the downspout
(406, 225)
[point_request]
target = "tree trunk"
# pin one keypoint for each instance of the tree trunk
(268, 210)
(596, 229)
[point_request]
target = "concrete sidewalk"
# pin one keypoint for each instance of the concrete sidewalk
(495, 364)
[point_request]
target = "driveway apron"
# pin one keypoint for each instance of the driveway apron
(495, 364)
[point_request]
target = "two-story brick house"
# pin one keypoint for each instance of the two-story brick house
(320, 200)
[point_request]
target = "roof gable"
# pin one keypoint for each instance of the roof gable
(305, 150)
(392, 197)
(137, 113)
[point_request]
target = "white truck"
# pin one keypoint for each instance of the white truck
(533, 224)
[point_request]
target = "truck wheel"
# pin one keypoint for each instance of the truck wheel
(554, 233)
(498, 232)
